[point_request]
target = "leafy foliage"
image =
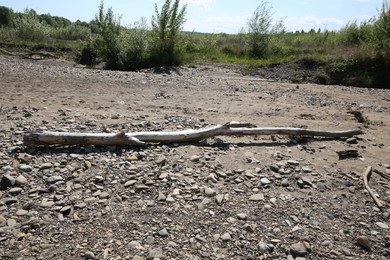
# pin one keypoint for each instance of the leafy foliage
(260, 29)
(5, 16)
(166, 28)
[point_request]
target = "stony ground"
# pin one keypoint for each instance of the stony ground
(266, 197)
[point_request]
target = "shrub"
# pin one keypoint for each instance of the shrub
(260, 29)
(382, 30)
(166, 27)
(29, 28)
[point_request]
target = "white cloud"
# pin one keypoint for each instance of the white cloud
(205, 4)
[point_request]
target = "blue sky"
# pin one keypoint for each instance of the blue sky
(216, 16)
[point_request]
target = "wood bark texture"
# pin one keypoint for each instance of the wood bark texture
(140, 138)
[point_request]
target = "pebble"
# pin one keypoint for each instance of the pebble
(89, 255)
(242, 216)
(257, 197)
(7, 181)
(293, 162)
(45, 166)
(363, 242)
(155, 253)
(209, 192)
(285, 183)
(382, 225)
(3, 220)
(135, 245)
(265, 181)
(226, 237)
(163, 233)
(219, 198)
(15, 190)
(300, 249)
(21, 180)
(130, 183)
(161, 197)
(306, 169)
(346, 251)
(21, 212)
(54, 179)
(25, 168)
(352, 140)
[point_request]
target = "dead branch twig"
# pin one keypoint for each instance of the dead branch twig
(366, 175)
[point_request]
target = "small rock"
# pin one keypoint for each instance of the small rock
(346, 251)
(54, 179)
(226, 237)
(7, 181)
(300, 249)
(89, 255)
(285, 183)
(293, 162)
(326, 243)
(351, 140)
(21, 212)
(195, 158)
(257, 197)
(161, 197)
(155, 253)
(11, 222)
(219, 198)
(382, 225)
(163, 233)
(130, 183)
(306, 169)
(45, 166)
(320, 186)
(265, 181)
(135, 245)
(21, 180)
(25, 168)
(209, 192)
(15, 191)
(242, 216)
(363, 242)
(3, 220)
(132, 158)
(87, 164)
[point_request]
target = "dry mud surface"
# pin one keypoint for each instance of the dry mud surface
(265, 197)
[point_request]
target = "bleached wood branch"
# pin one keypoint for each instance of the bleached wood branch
(366, 176)
(140, 138)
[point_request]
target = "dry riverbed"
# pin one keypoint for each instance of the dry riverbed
(265, 197)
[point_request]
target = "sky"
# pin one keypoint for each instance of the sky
(216, 16)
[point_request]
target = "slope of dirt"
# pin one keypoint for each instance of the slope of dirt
(223, 198)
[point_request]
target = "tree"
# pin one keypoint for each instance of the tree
(166, 27)
(5, 16)
(108, 32)
(382, 30)
(260, 28)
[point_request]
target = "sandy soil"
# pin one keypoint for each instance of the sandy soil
(195, 200)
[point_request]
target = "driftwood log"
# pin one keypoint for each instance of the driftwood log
(140, 138)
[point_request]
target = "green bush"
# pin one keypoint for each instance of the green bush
(29, 28)
(166, 28)
(382, 30)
